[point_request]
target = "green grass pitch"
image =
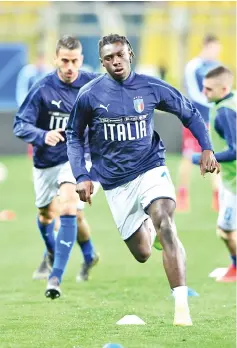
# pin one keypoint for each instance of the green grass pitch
(85, 315)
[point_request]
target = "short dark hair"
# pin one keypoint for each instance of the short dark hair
(69, 42)
(112, 38)
(209, 38)
(220, 70)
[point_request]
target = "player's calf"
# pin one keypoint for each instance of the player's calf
(46, 223)
(67, 233)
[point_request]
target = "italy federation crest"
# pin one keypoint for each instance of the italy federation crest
(138, 104)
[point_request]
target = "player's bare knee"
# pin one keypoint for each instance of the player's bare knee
(46, 216)
(143, 253)
(221, 233)
(143, 256)
(167, 231)
(226, 235)
(156, 217)
(162, 220)
(161, 212)
(68, 206)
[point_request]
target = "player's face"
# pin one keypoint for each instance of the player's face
(116, 58)
(68, 63)
(213, 89)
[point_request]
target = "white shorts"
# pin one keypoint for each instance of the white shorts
(48, 180)
(227, 211)
(129, 202)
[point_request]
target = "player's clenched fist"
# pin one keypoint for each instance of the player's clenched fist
(85, 190)
(53, 137)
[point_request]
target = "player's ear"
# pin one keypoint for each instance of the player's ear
(224, 89)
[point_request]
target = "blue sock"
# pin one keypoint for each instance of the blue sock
(65, 240)
(47, 233)
(87, 250)
(233, 258)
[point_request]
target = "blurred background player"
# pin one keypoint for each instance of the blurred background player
(195, 71)
(41, 121)
(217, 87)
(27, 77)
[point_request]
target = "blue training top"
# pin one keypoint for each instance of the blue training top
(47, 107)
(122, 140)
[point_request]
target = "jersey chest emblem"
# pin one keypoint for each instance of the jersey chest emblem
(138, 104)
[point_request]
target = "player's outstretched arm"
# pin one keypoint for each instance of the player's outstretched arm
(171, 100)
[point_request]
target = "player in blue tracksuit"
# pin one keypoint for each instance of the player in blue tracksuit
(41, 121)
(129, 157)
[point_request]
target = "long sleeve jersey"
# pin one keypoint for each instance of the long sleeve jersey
(47, 107)
(122, 140)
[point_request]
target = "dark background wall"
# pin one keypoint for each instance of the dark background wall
(9, 144)
(168, 126)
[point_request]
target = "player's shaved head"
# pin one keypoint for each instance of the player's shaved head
(222, 74)
(68, 42)
(217, 83)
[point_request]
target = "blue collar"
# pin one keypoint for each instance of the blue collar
(226, 97)
(126, 82)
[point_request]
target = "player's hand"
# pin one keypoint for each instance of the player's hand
(85, 190)
(196, 156)
(208, 163)
(53, 137)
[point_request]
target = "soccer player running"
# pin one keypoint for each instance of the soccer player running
(41, 121)
(217, 87)
(129, 157)
(195, 71)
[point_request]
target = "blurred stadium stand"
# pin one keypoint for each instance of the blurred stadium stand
(165, 35)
